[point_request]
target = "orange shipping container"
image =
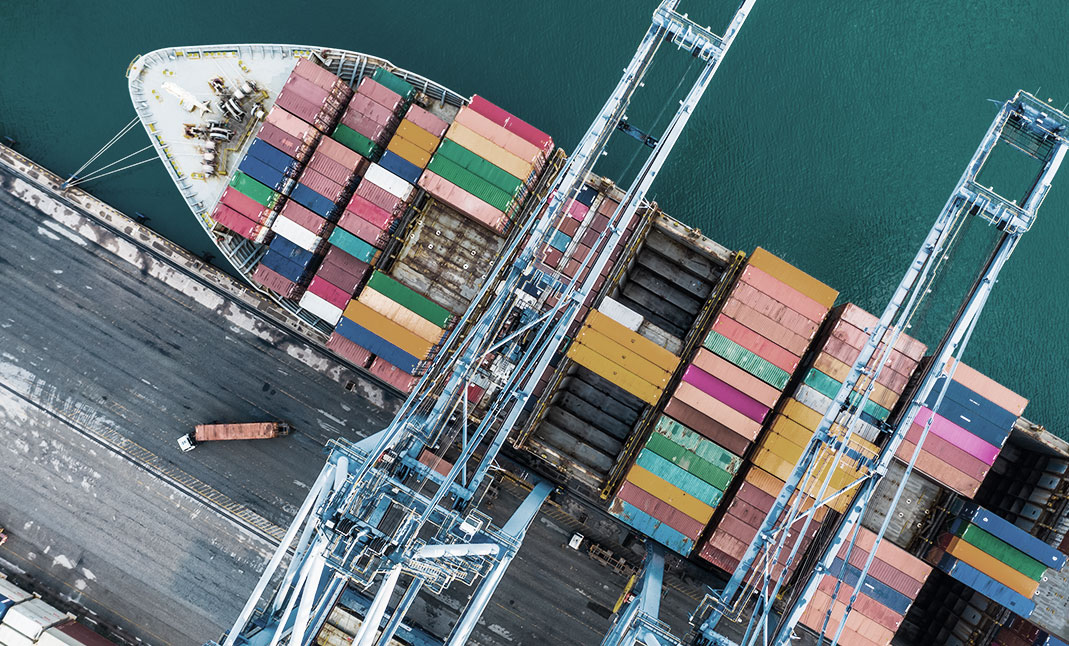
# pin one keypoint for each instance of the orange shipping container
(409, 151)
(794, 277)
(766, 327)
(490, 151)
(379, 325)
(623, 378)
(992, 567)
(516, 145)
(418, 136)
(622, 356)
(401, 315)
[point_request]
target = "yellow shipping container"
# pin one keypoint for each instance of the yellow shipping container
(418, 136)
(802, 414)
(401, 315)
(409, 151)
(669, 493)
(490, 151)
(633, 340)
(793, 277)
(623, 378)
(623, 356)
(773, 463)
(378, 324)
(786, 439)
(838, 371)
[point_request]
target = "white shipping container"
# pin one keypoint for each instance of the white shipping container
(321, 308)
(12, 592)
(620, 313)
(388, 182)
(296, 234)
(33, 617)
(11, 637)
(818, 402)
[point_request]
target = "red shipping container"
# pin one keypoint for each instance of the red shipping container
(426, 120)
(856, 339)
(511, 123)
(236, 222)
(331, 169)
(463, 201)
(776, 310)
(381, 198)
(321, 184)
(304, 217)
(885, 573)
(369, 108)
(862, 320)
(359, 356)
(945, 450)
(942, 472)
(292, 125)
(285, 142)
(660, 510)
(783, 293)
(552, 257)
(316, 74)
(362, 229)
(890, 553)
(755, 343)
(245, 205)
(349, 264)
(377, 216)
(303, 109)
(848, 355)
(577, 211)
(707, 427)
(275, 282)
(728, 544)
(393, 375)
(310, 92)
(365, 125)
(332, 294)
(766, 327)
(343, 155)
(379, 93)
(336, 275)
(568, 226)
(865, 604)
(719, 558)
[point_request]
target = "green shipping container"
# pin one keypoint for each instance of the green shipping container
(251, 188)
(355, 141)
(1003, 551)
(674, 475)
(353, 246)
(706, 449)
(470, 182)
(394, 82)
(497, 176)
(688, 461)
(829, 387)
(414, 301)
(748, 361)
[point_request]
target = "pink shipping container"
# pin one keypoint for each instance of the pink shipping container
(945, 450)
(782, 336)
(958, 436)
(463, 201)
(500, 137)
(848, 355)
(236, 222)
(322, 77)
(380, 198)
(275, 282)
(304, 217)
(775, 310)
(292, 125)
(331, 169)
(989, 389)
(783, 293)
(379, 93)
(866, 605)
(245, 205)
(363, 229)
(359, 356)
(738, 378)
(307, 111)
(855, 338)
(726, 393)
(393, 375)
(512, 123)
(426, 120)
(341, 277)
(287, 143)
(374, 214)
(717, 410)
(365, 125)
(660, 510)
(371, 109)
(942, 472)
(343, 155)
(312, 93)
(754, 342)
(578, 210)
(332, 294)
(321, 184)
(863, 320)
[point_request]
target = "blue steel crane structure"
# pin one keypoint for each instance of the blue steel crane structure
(1039, 131)
(376, 512)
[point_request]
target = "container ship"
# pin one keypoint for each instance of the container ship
(372, 203)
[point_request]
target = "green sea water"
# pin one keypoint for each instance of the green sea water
(832, 134)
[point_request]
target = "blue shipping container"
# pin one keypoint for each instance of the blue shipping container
(283, 266)
(676, 476)
(974, 424)
(987, 586)
(376, 345)
(1049, 640)
(879, 591)
(263, 173)
(297, 255)
(655, 529)
(969, 400)
(1008, 532)
(586, 195)
(560, 241)
(401, 167)
(314, 202)
(274, 157)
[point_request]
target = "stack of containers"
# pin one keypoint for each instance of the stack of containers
(314, 95)
(792, 427)
(371, 115)
(400, 327)
(326, 183)
(25, 622)
(10, 595)
(487, 163)
(967, 431)
(1019, 632)
(411, 147)
(244, 215)
(610, 346)
(289, 134)
(555, 254)
(995, 557)
(672, 490)
(893, 580)
(752, 502)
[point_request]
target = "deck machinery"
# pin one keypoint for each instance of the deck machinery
(377, 512)
(1024, 123)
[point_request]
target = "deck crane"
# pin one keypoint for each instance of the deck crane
(1024, 123)
(376, 512)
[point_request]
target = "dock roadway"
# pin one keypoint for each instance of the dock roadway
(112, 344)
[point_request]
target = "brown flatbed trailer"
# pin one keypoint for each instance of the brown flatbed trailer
(244, 431)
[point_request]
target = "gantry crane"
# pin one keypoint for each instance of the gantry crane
(377, 512)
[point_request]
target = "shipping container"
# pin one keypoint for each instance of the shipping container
(376, 215)
(987, 388)
(985, 585)
(996, 547)
(394, 82)
(991, 566)
(472, 183)
(1011, 534)
(660, 510)
(343, 155)
(354, 246)
(718, 411)
(269, 278)
(11, 594)
(293, 125)
(72, 633)
(329, 292)
(726, 393)
(463, 201)
(794, 277)
(426, 120)
(341, 277)
(303, 216)
(638, 365)
(365, 126)
(409, 151)
(650, 526)
(332, 169)
(511, 123)
(366, 107)
(264, 174)
(482, 168)
(292, 146)
(616, 374)
(670, 493)
(321, 307)
(401, 315)
(319, 204)
(33, 617)
(779, 334)
(695, 419)
(393, 375)
(410, 299)
(521, 169)
(294, 232)
(674, 474)
(379, 93)
(11, 637)
(236, 222)
(755, 343)
(388, 330)
(958, 436)
(358, 355)
(511, 142)
(380, 197)
(363, 229)
(400, 167)
(355, 141)
(689, 462)
(376, 345)
(322, 77)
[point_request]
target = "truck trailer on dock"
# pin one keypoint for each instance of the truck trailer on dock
(247, 431)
